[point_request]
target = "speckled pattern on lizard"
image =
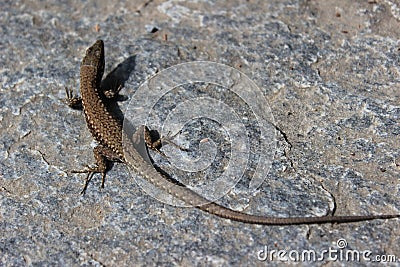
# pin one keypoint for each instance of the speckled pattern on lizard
(107, 130)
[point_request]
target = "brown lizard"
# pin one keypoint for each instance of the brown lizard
(107, 130)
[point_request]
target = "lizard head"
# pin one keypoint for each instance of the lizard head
(94, 57)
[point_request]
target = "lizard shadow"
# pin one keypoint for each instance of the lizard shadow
(115, 81)
(118, 76)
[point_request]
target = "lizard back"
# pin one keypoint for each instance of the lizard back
(102, 124)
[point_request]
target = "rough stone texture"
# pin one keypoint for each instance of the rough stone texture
(329, 70)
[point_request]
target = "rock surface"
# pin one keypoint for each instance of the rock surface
(329, 72)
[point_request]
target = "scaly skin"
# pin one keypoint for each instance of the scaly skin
(107, 130)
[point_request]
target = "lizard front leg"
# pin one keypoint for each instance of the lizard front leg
(72, 100)
(75, 102)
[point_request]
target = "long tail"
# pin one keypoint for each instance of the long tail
(223, 212)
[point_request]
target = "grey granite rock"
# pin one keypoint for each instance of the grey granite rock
(329, 71)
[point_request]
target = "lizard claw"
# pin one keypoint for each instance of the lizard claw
(72, 100)
(90, 172)
(88, 178)
(150, 136)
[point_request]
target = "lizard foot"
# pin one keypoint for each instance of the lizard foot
(90, 172)
(154, 141)
(72, 100)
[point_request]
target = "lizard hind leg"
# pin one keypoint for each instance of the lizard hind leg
(102, 156)
(90, 172)
(88, 178)
(154, 141)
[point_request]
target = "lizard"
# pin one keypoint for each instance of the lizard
(108, 131)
